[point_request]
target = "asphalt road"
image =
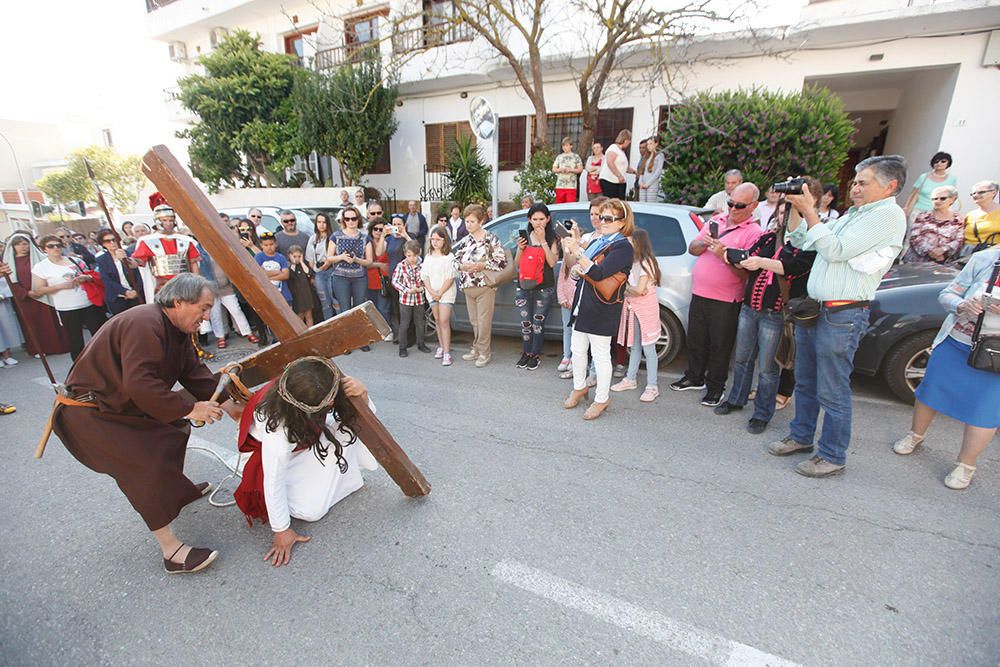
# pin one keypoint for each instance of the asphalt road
(659, 534)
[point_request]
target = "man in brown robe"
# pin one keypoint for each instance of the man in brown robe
(127, 422)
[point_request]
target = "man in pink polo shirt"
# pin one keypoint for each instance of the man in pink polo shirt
(717, 292)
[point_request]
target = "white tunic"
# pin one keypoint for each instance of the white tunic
(297, 484)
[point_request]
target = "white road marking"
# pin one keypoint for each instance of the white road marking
(653, 625)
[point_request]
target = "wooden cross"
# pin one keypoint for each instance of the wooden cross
(348, 331)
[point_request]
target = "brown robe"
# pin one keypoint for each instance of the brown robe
(137, 434)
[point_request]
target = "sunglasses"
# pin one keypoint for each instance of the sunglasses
(52, 245)
(941, 160)
(287, 222)
(352, 218)
(253, 216)
(266, 236)
(375, 213)
(974, 193)
(739, 207)
(377, 229)
(610, 218)
(940, 198)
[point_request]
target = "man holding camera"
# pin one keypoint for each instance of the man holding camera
(853, 252)
(717, 293)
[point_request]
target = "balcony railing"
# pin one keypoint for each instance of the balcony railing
(153, 5)
(403, 42)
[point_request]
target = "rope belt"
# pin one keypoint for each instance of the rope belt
(66, 400)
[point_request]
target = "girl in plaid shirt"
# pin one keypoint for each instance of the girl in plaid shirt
(407, 281)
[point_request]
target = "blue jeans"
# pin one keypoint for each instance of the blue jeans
(324, 287)
(533, 305)
(824, 359)
(381, 302)
(756, 342)
(350, 292)
(567, 333)
(637, 352)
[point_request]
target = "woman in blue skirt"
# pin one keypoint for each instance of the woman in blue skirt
(952, 386)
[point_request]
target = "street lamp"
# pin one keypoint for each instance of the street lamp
(20, 176)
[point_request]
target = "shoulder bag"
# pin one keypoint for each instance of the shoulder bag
(609, 290)
(985, 354)
(498, 277)
(784, 356)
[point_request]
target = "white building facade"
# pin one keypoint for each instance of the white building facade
(916, 76)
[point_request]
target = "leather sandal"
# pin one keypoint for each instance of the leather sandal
(596, 410)
(197, 560)
(252, 339)
(575, 396)
(220, 343)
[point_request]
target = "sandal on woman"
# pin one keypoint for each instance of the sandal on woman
(253, 339)
(220, 343)
(197, 560)
(575, 396)
(781, 402)
(596, 410)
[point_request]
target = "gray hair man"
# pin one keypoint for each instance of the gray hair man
(853, 252)
(138, 435)
(289, 234)
(730, 180)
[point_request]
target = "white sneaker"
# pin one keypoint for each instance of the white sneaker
(388, 337)
(624, 385)
(564, 365)
(10, 361)
(438, 353)
(960, 477)
(482, 361)
(446, 359)
(471, 356)
(650, 394)
(907, 443)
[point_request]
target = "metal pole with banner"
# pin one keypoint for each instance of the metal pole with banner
(484, 123)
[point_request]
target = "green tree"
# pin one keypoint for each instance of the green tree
(246, 133)
(347, 112)
(536, 178)
(468, 174)
(120, 177)
(766, 135)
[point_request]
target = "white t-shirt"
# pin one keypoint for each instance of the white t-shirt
(435, 270)
(616, 154)
(717, 202)
(763, 213)
(53, 275)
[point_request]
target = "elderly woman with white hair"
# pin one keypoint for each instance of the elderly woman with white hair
(937, 235)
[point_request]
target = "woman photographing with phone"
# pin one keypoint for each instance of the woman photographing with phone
(537, 253)
(597, 304)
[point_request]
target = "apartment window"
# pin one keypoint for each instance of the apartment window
(363, 29)
(513, 140)
(609, 123)
(383, 163)
(664, 117)
(440, 139)
(295, 43)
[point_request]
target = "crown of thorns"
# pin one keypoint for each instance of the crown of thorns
(330, 395)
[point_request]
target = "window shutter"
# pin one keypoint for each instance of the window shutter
(512, 141)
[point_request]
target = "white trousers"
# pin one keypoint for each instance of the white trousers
(600, 348)
(216, 324)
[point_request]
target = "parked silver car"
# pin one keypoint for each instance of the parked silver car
(671, 228)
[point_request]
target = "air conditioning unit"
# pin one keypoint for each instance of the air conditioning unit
(178, 51)
(216, 35)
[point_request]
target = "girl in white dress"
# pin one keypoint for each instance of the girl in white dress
(305, 453)
(438, 273)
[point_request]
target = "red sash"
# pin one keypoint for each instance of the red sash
(249, 495)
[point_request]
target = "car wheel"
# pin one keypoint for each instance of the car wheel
(905, 365)
(668, 346)
(430, 324)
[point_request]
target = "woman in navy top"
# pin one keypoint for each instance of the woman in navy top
(594, 320)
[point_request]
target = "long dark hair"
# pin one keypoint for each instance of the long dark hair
(550, 232)
(644, 254)
(310, 382)
(253, 230)
(328, 232)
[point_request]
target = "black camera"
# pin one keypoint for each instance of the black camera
(793, 186)
(736, 255)
(568, 224)
(244, 236)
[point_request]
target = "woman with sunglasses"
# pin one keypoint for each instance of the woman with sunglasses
(62, 279)
(940, 175)
(347, 254)
(982, 224)
(377, 253)
(937, 236)
(247, 232)
(595, 319)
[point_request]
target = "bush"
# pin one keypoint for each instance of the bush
(766, 135)
(468, 174)
(536, 178)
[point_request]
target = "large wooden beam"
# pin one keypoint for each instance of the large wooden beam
(197, 212)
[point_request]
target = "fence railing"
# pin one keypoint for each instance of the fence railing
(402, 42)
(346, 53)
(437, 184)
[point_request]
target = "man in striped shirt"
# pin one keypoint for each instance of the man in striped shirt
(853, 252)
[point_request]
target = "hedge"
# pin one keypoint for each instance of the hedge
(766, 135)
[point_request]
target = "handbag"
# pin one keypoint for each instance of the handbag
(784, 355)
(609, 290)
(94, 288)
(386, 285)
(498, 277)
(985, 354)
